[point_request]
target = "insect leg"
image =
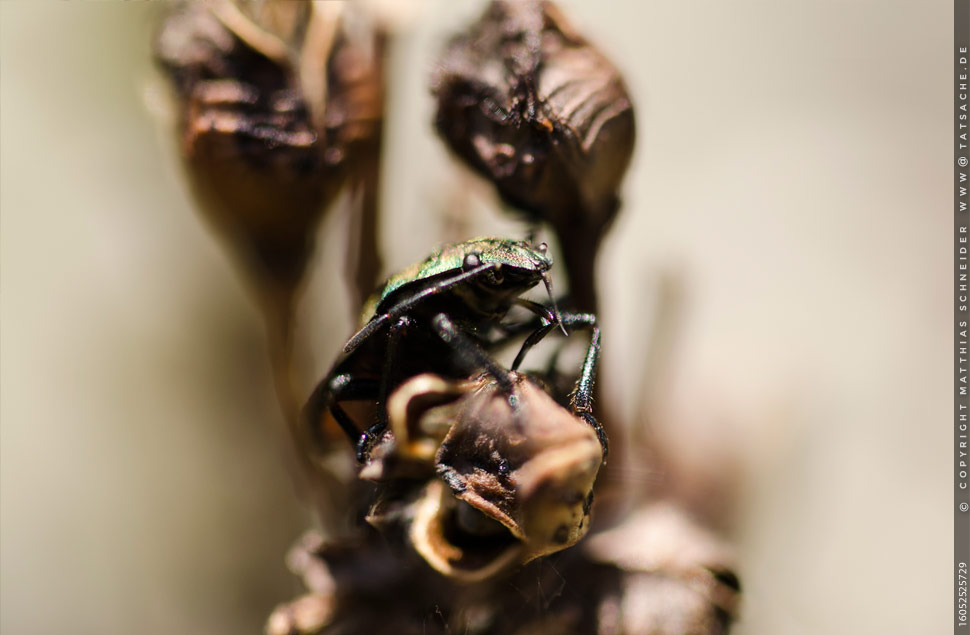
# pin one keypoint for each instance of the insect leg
(406, 305)
(327, 395)
(517, 329)
(582, 396)
(581, 402)
(469, 354)
(531, 341)
(547, 320)
(374, 431)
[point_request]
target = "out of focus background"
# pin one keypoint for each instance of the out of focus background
(788, 205)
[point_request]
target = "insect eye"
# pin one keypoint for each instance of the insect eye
(471, 261)
(542, 248)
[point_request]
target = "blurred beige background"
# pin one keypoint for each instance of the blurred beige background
(792, 177)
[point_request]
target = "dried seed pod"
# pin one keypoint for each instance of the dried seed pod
(275, 110)
(538, 110)
(515, 481)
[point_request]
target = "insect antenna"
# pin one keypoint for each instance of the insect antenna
(547, 280)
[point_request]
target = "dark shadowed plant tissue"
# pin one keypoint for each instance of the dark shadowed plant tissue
(471, 506)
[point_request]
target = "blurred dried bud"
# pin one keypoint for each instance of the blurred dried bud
(515, 482)
(538, 110)
(677, 576)
(531, 467)
(305, 615)
(276, 103)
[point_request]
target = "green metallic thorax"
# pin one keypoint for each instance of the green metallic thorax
(449, 258)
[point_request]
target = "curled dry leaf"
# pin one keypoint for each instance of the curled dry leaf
(538, 110)
(503, 484)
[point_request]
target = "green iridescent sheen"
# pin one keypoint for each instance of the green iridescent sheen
(514, 253)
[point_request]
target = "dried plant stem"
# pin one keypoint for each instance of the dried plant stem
(363, 256)
(276, 307)
(579, 249)
(251, 33)
(321, 33)
(322, 490)
(278, 318)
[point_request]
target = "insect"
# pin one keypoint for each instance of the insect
(484, 482)
(472, 286)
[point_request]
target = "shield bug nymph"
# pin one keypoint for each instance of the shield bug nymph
(472, 284)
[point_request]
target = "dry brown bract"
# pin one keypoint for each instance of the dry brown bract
(507, 484)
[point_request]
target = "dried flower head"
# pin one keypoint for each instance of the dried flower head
(513, 482)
